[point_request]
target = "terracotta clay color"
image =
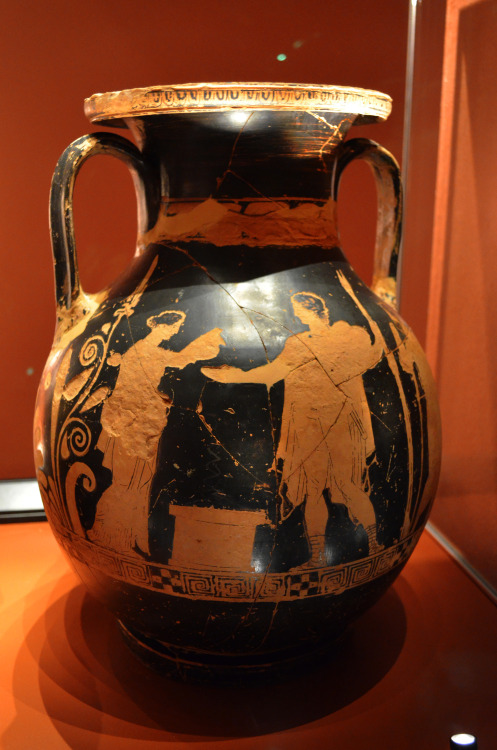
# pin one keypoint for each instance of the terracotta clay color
(237, 442)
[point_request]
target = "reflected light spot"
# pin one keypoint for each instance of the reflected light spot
(281, 56)
(463, 740)
(298, 43)
(239, 117)
(259, 565)
(30, 371)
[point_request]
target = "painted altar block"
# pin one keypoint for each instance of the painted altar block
(214, 537)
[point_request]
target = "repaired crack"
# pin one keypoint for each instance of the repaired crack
(245, 313)
(228, 171)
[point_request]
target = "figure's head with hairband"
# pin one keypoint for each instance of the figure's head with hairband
(310, 309)
(166, 323)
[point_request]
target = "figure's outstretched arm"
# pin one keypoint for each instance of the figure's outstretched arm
(266, 374)
(203, 348)
(293, 355)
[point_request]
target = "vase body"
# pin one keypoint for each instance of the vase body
(237, 442)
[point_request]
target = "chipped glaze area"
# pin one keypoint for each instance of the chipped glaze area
(237, 443)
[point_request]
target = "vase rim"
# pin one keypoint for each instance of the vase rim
(107, 108)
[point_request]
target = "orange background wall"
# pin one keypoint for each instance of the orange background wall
(461, 340)
(57, 53)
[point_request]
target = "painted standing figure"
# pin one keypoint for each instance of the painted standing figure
(133, 419)
(326, 431)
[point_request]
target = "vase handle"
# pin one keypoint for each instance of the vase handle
(67, 284)
(389, 226)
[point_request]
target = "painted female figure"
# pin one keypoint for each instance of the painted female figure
(133, 419)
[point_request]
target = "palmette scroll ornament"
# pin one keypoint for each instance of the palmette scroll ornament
(237, 442)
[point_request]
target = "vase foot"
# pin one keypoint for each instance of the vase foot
(191, 665)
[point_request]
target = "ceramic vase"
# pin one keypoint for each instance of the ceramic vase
(237, 441)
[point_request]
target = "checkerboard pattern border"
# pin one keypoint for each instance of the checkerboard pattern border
(224, 584)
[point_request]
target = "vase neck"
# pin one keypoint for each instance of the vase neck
(255, 177)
